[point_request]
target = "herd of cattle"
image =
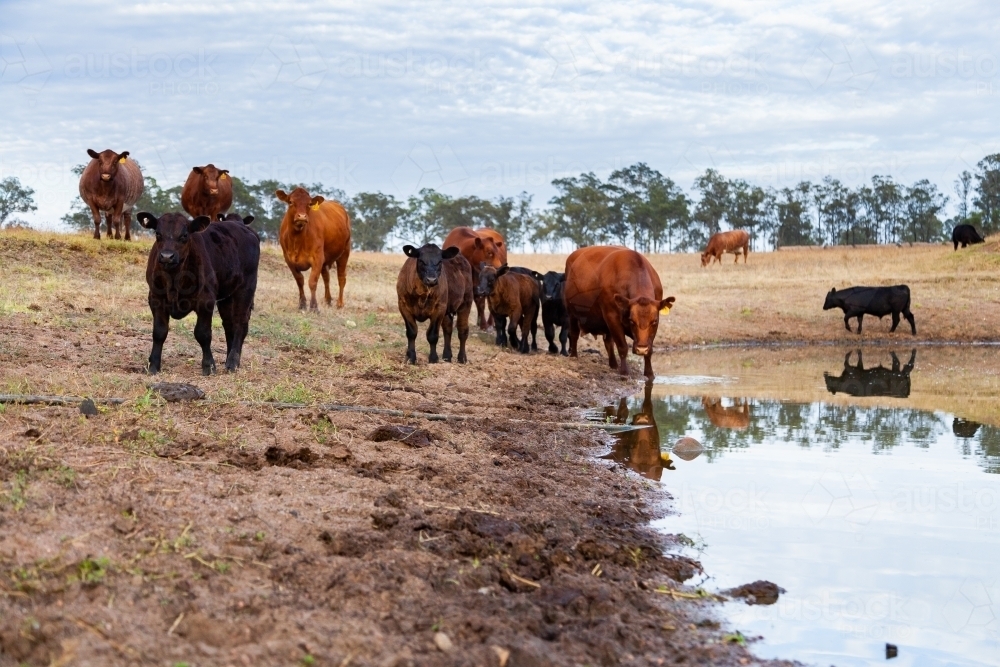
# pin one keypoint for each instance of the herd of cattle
(209, 261)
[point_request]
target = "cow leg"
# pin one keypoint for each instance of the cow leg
(432, 339)
(514, 320)
(326, 283)
(231, 325)
(342, 276)
(563, 335)
(127, 223)
(480, 308)
(574, 335)
(550, 335)
(913, 322)
(161, 325)
(501, 326)
(895, 321)
(447, 323)
(314, 274)
(203, 334)
(97, 221)
(609, 345)
(116, 215)
(847, 323)
(241, 326)
(411, 336)
(534, 330)
(463, 332)
(860, 317)
(648, 367)
(300, 281)
(956, 246)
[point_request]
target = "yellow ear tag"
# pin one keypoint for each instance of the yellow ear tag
(123, 159)
(665, 310)
(222, 177)
(314, 207)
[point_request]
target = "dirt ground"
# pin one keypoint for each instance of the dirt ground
(225, 532)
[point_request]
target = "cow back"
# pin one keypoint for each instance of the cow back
(233, 249)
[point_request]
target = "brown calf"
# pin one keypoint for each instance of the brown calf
(112, 184)
(512, 295)
(614, 292)
(314, 234)
(435, 285)
(477, 248)
(207, 191)
(736, 241)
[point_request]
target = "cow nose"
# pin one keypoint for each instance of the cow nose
(641, 351)
(105, 177)
(431, 282)
(168, 257)
(213, 191)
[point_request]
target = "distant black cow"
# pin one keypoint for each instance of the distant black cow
(877, 381)
(196, 266)
(966, 235)
(554, 310)
(878, 301)
(500, 321)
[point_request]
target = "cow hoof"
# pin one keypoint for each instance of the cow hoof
(208, 370)
(462, 359)
(564, 353)
(411, 360)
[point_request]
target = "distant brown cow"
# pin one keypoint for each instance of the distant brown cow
(614, 292)
(512, 295)
(314, 234)
(477, 248)
(736, 241)
(207, 191)
(435, 285)
(498, 239)
(112, 184)
(736, 416)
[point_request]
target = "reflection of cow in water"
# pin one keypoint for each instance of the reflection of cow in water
(877, 381)
(639, 449)
(964, 428)
(735, 416)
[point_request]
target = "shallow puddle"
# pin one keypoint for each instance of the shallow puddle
(881, 520)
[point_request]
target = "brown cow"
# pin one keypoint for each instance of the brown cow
(498, 240)
(614, 292)
(735, 416)
(435, 285)
(207, 191)
(736, 241)
(477, 249)
(513, 295)
(113, 184)
(314, 234)
(640, 449)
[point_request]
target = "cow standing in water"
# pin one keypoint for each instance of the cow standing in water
(736, 242)
(111, 184)
(614, 292)
(315, 234)
(207, 191)
(478, 249)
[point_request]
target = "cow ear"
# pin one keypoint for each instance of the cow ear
(502, 270)
(199, 224)
(147, 220)
(479, 242)
(92, 153)
(666, 305)
(537, 276)
(621, 302)
(248, 220)
(123, 156)
(449, 253)
(197, 170)
(410, 251)
(832, 290)
(315, 202)
(220, 217)
(280, 194)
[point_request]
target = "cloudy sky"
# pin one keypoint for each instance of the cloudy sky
(498, 98)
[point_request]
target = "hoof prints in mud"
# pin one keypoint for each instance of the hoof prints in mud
(408, 435)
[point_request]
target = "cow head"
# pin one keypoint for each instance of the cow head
(430, 261)
(831, 300)
(490, 252)
(299, 204)
(488, 279)
(641, 317)
(107, 162)
(705, 258)
(552, 285)
(210, 177)
(173, 236)
(235, 217)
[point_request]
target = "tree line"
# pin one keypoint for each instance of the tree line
(636, 206)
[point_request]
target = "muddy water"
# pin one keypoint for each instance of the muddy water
(878, 513)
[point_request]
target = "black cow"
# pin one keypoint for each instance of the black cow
(500, 321)
(966, 235)
(878, 301)
(877, 381)
(196, 266)
(554, 310)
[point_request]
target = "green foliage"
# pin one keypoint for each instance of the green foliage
(15, 198)
(375, 217)
(987, 189)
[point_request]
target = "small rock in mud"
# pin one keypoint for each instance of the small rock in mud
(384, 520)
(177, 391)
(443, 642)
(88, 408)
(340, 453)
(688, 449)
(759, 592)
(409, 435)
(300, 458)
(392, 498)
